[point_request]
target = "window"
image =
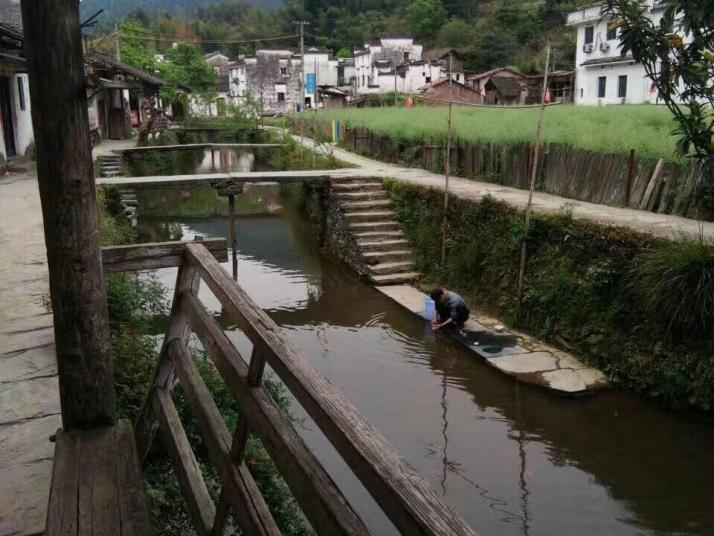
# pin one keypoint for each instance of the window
(427, 79)
(611, 33)
(406, 56)
(457, 77)
(589, 34)
(622, 86)
(283, 71)
(581, 93)
(21, 92)
(281, 97)
(601, 85)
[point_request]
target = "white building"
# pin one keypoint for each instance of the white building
(396, 64)
(602, 74)
(16, 133)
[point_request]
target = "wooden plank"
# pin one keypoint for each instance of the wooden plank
(186, 146)
(318, 496)
(62, 508)
(222, 512)
(133, 506)
(652, 186)
(97, 496)
(187, 282)
(188, 472)
(247, 502)
(153, 255)
(405, 496)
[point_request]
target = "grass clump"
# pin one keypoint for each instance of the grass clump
(638, 308)
(612, 130)
(675, 282)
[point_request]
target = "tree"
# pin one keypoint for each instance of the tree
(677, 55)
(456, 33)
(425, 17)
(344, 53)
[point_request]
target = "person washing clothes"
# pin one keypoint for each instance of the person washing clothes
(451, 311)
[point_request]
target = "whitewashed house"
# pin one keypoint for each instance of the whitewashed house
(16, 134)
(396, 64)
(602, 74)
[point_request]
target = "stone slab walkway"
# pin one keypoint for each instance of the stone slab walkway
(526, 358)
(662, 225)
(29, 390)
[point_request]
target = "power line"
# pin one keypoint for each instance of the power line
(155, 37)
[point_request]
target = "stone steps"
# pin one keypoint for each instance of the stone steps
(362, 195)
(391, 255)
(389, 268)
(395, 279)
(379, 227)
(379, 235)
(372, 216)
(357, 187)
(382, 245)
(349, 206)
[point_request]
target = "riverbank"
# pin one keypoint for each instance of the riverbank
(582, 292)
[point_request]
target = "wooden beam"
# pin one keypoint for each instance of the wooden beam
(53, 47)
(324, 505)
(407, 499)
(154, 255)
(240, 488)
(188, 472)
(187, 282)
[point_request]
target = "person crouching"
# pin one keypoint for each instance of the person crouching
(451, 311)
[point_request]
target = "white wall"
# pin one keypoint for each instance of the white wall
(22, 119)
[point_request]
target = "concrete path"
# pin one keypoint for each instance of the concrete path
(29, 390)
(662, 225)
(523, 357)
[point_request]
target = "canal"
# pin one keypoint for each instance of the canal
(513, 459)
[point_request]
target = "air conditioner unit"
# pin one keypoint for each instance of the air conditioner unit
(604, 46)
(588, 48)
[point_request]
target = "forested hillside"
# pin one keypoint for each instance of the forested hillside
(487, 33)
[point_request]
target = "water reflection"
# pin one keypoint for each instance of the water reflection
(513, 459)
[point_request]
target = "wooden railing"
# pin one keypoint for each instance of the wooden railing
(409, 502)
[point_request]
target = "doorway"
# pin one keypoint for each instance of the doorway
(8, 129)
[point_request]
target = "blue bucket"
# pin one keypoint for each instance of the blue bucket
(429, 308)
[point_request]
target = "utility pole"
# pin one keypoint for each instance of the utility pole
(302, 24)
(117, 44)
(447, 171)
(534, 173)
(53, 46)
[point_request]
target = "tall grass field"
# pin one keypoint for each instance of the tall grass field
(610, 129)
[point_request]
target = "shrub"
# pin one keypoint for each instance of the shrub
(675, 283)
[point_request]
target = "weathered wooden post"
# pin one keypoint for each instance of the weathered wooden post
(53, 47)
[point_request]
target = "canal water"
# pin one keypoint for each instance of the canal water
(513, 459)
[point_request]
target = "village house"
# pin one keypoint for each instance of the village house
(271, 78)
(603, 75)
(16, 135)
(396, 64)
(438, 92)
(506, 86)
(221, 64)
(116, 93)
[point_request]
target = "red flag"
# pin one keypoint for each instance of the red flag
(410, 102)
(548, 98)
(653, 88)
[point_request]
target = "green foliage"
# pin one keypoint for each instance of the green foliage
(582, 290)
(677, 55)
(344, 53)
(613, 130)
(675, 282)
(455, 34)
(425, 17)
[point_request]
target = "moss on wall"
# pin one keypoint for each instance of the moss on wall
(581, 289)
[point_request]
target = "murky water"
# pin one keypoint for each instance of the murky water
(513, 459)
(202, 160)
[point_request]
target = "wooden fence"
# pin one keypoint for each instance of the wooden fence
(409, 502)
(608, 179)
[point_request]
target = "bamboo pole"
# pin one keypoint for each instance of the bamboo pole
(534, 173)
(447, 171)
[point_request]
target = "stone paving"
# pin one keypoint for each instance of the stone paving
(527, 359)
(29, 391)
(662, 225)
